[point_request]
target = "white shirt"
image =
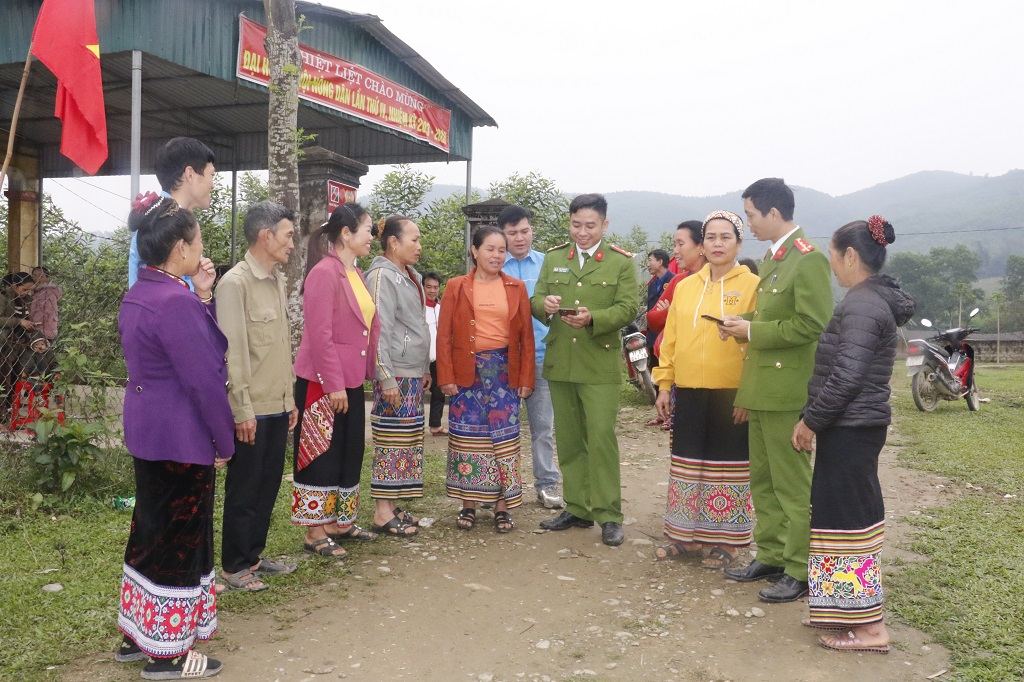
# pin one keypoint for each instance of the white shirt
(778, 244)
(433, 315)
(590, 252)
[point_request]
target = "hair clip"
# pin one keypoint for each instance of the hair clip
(170, 210)
(144, 201)
(876, 224)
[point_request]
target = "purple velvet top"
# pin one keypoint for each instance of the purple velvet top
(176, 405)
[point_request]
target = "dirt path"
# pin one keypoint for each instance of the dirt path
(529, 605)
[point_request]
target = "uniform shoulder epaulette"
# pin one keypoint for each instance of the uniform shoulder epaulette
(560, 246)
(616, 247)
(802, 245)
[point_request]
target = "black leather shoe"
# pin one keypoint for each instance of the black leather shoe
(786, 589)
(755, 570)
(565, 521)
(611, 534)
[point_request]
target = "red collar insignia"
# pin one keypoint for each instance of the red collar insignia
(780, 253)
(599, 256)
(572, 252)
(802, 245)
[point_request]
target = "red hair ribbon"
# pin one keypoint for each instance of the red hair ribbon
(144, 201)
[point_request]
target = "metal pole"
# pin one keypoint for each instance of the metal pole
(234, 206)
(469, 192)
(136, 152)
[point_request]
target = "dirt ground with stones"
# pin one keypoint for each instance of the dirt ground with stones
(544, 606)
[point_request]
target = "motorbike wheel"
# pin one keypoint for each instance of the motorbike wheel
(647, 386)
(925, 395)
(973, 399)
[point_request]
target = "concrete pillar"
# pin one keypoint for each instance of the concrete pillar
(318, 168)
(477, 215)
(23, 201)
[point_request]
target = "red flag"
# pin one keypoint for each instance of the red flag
(65, 40)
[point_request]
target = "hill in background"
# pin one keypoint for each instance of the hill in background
(928, 209)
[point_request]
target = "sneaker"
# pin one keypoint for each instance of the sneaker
(550, 498)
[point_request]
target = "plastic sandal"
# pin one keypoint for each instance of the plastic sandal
(353, 534)
(271, 567)
(325, 547)
(718, 558)
(503, 522)
(850, 642)
(675, 551)
(466, 518)
(395, 528)
(187, 666)
(245, 581)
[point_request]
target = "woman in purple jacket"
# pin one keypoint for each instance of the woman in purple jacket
(178, 427)
(336, 355)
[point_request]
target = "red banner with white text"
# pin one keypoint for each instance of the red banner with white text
(349, 88)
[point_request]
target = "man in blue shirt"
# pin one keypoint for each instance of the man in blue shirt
(184, 169)
(522, 262)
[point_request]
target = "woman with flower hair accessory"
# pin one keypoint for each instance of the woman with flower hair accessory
(708, 508)
(848, 411)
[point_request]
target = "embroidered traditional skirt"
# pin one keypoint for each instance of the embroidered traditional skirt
(709, 477)
(326, 488)
(167, 595)
(483, 445)
(844, 571)
(398, 442)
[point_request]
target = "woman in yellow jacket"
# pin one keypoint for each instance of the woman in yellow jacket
(709, 480)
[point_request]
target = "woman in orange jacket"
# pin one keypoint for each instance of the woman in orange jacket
(485, 363)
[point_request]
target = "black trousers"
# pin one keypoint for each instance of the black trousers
(436, 398)
(250, 491)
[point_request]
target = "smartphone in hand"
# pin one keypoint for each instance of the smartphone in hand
(568, 311)
(714, 319)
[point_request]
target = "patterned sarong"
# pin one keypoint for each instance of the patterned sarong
(483, 445)
(398, 442)
(167, 596)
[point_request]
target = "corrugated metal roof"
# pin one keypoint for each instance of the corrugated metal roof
(189, 84)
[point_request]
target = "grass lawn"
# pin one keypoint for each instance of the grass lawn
(970, 595)
(80, 544)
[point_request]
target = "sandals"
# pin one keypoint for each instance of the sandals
(850, 642)
(718, 558)
(806, 622)
(271, 567)
(675, 551)
(396, 528)
(354, 534)
(325, 547)
(466, 519)
(187, 666)
(503, 522)
(245, 580)
(657, 421)
(406, 518)
(438, 431)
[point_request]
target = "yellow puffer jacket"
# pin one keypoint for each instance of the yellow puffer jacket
(692, 354)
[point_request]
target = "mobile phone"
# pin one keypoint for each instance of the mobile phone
(714, 319)
(568, 311)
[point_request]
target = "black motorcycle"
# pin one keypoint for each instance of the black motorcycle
(634, 350)
(942, 368)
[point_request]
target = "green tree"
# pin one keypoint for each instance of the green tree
(401, 192)
(932, 280)
(1013, 279)
(442, 233)
(539, 194)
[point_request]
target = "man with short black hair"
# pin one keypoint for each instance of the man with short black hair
(253, 314)
(184, 168)
(586, 292)
(794, 303)
(523, 262)
(657, 264)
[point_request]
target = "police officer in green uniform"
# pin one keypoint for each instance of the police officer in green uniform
(794, 303)
(587, 291)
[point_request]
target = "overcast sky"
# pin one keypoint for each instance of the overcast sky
(703, 98)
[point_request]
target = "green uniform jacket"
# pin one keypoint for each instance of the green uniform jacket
(607, 286)
(794, 303)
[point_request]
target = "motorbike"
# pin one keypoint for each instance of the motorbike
(941, 367)
(634, 350)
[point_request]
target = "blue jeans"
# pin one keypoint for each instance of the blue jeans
(542, 433)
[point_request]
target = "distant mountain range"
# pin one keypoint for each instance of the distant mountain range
(928, 209)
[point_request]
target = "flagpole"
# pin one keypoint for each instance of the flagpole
(14, 119)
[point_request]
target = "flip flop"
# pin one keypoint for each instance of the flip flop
(440, 432)
(675, 551)
(657, 421)
(353, 534)
(245, 581)
(271, 567)
(325, 547)
(851, 642)
(395, 528)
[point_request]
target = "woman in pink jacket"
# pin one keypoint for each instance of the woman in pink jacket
(337, 353)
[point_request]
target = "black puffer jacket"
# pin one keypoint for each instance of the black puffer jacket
(853, 364)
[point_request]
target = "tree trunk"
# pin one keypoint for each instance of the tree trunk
(282, 45)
